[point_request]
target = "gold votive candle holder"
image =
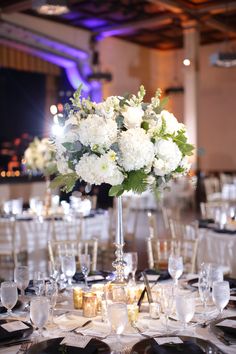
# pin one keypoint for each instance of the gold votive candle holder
(133, 311)
(89, 304)
(78, 298)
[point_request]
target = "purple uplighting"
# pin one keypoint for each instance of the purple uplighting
(93, 23)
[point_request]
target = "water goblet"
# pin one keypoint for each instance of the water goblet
(21, 277)
(68, 267)
(175, 267)
(185, 308)
(167, 302)
(51, 292)
(39, 312)
(215, 273)
(118, 319)
(220, 294)
(9, 295)
(85, 267)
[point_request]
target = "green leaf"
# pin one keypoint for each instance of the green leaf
(69, 146)
(66, 182)
(136, 181)
(116, 191)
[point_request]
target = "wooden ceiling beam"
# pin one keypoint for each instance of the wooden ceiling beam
(18, 6)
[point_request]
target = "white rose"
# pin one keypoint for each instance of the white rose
(133, 117)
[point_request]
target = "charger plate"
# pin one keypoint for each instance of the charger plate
(198, 345)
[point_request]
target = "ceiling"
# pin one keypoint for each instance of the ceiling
(153, 23)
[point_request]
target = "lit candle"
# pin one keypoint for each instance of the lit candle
(89, 305)
(78, 298)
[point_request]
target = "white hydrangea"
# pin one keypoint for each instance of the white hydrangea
(133, 117)
(96, 170)
(137, 151)
(97, 131)
(109, 107)
(62, 166)
(172, 125)
(168, 157)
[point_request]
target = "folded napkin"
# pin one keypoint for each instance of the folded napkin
(203, 223)
(96, 329)
(7, 336)
(187, 347)
(69, 321)
(94, 276)
(225, 231)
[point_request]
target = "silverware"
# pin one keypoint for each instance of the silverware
(84, 325)
(140, 332)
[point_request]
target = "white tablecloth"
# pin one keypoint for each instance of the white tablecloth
(217, 248)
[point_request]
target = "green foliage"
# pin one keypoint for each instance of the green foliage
(116, 191)
(136, 181)
(65, 182)
(145, 125)
(69, 146)
(120, 121)
(163, 103)
(181, 140)
(76, 96)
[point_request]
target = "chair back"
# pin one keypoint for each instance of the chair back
(57, 249)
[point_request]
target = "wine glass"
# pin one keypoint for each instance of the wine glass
(51, 293)
(220, 294)
(21, 277)
(9, 295)
(175, 267)
(68, 267)
(39, 312)
(167, 302)
(185, 308)
(215, 273)
(204, 287)
(118, 318)
(85, 267)
(39, 283)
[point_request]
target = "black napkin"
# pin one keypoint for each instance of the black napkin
(7, 336)
(187, 347)
(163, 274)
(80, 277)
(203, 223)
(224, 231)
(53, 347)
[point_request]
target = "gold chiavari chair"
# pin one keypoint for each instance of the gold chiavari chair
(8, 247)
(57, 249)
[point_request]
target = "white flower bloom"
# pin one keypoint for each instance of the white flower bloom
(169, 155)
(172, 125)
(137, 151)
(96, 130)
(39, 155)
(96, 170)
(62, 166)
(73, 119)
(133, 117)
(184, 163)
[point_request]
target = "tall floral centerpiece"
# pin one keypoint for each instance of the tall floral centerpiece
(125, 142)
(40, 158)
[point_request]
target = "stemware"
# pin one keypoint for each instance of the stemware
(220, 294)
(9, 295)
(85, 267)
(185, 308)
(118, 319)
(39, 283)
(51, 292)
(39, 312)
(68, 267)
(215, 273)
(167, 302)
(204, 288)
(21, 277)
(175, 267)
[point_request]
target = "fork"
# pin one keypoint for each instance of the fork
(140, 332)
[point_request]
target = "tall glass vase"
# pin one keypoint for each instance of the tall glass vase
(119, 263)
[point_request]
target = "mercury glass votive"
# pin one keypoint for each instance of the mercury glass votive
(78, 298)
(89, 304)
(133, 311)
